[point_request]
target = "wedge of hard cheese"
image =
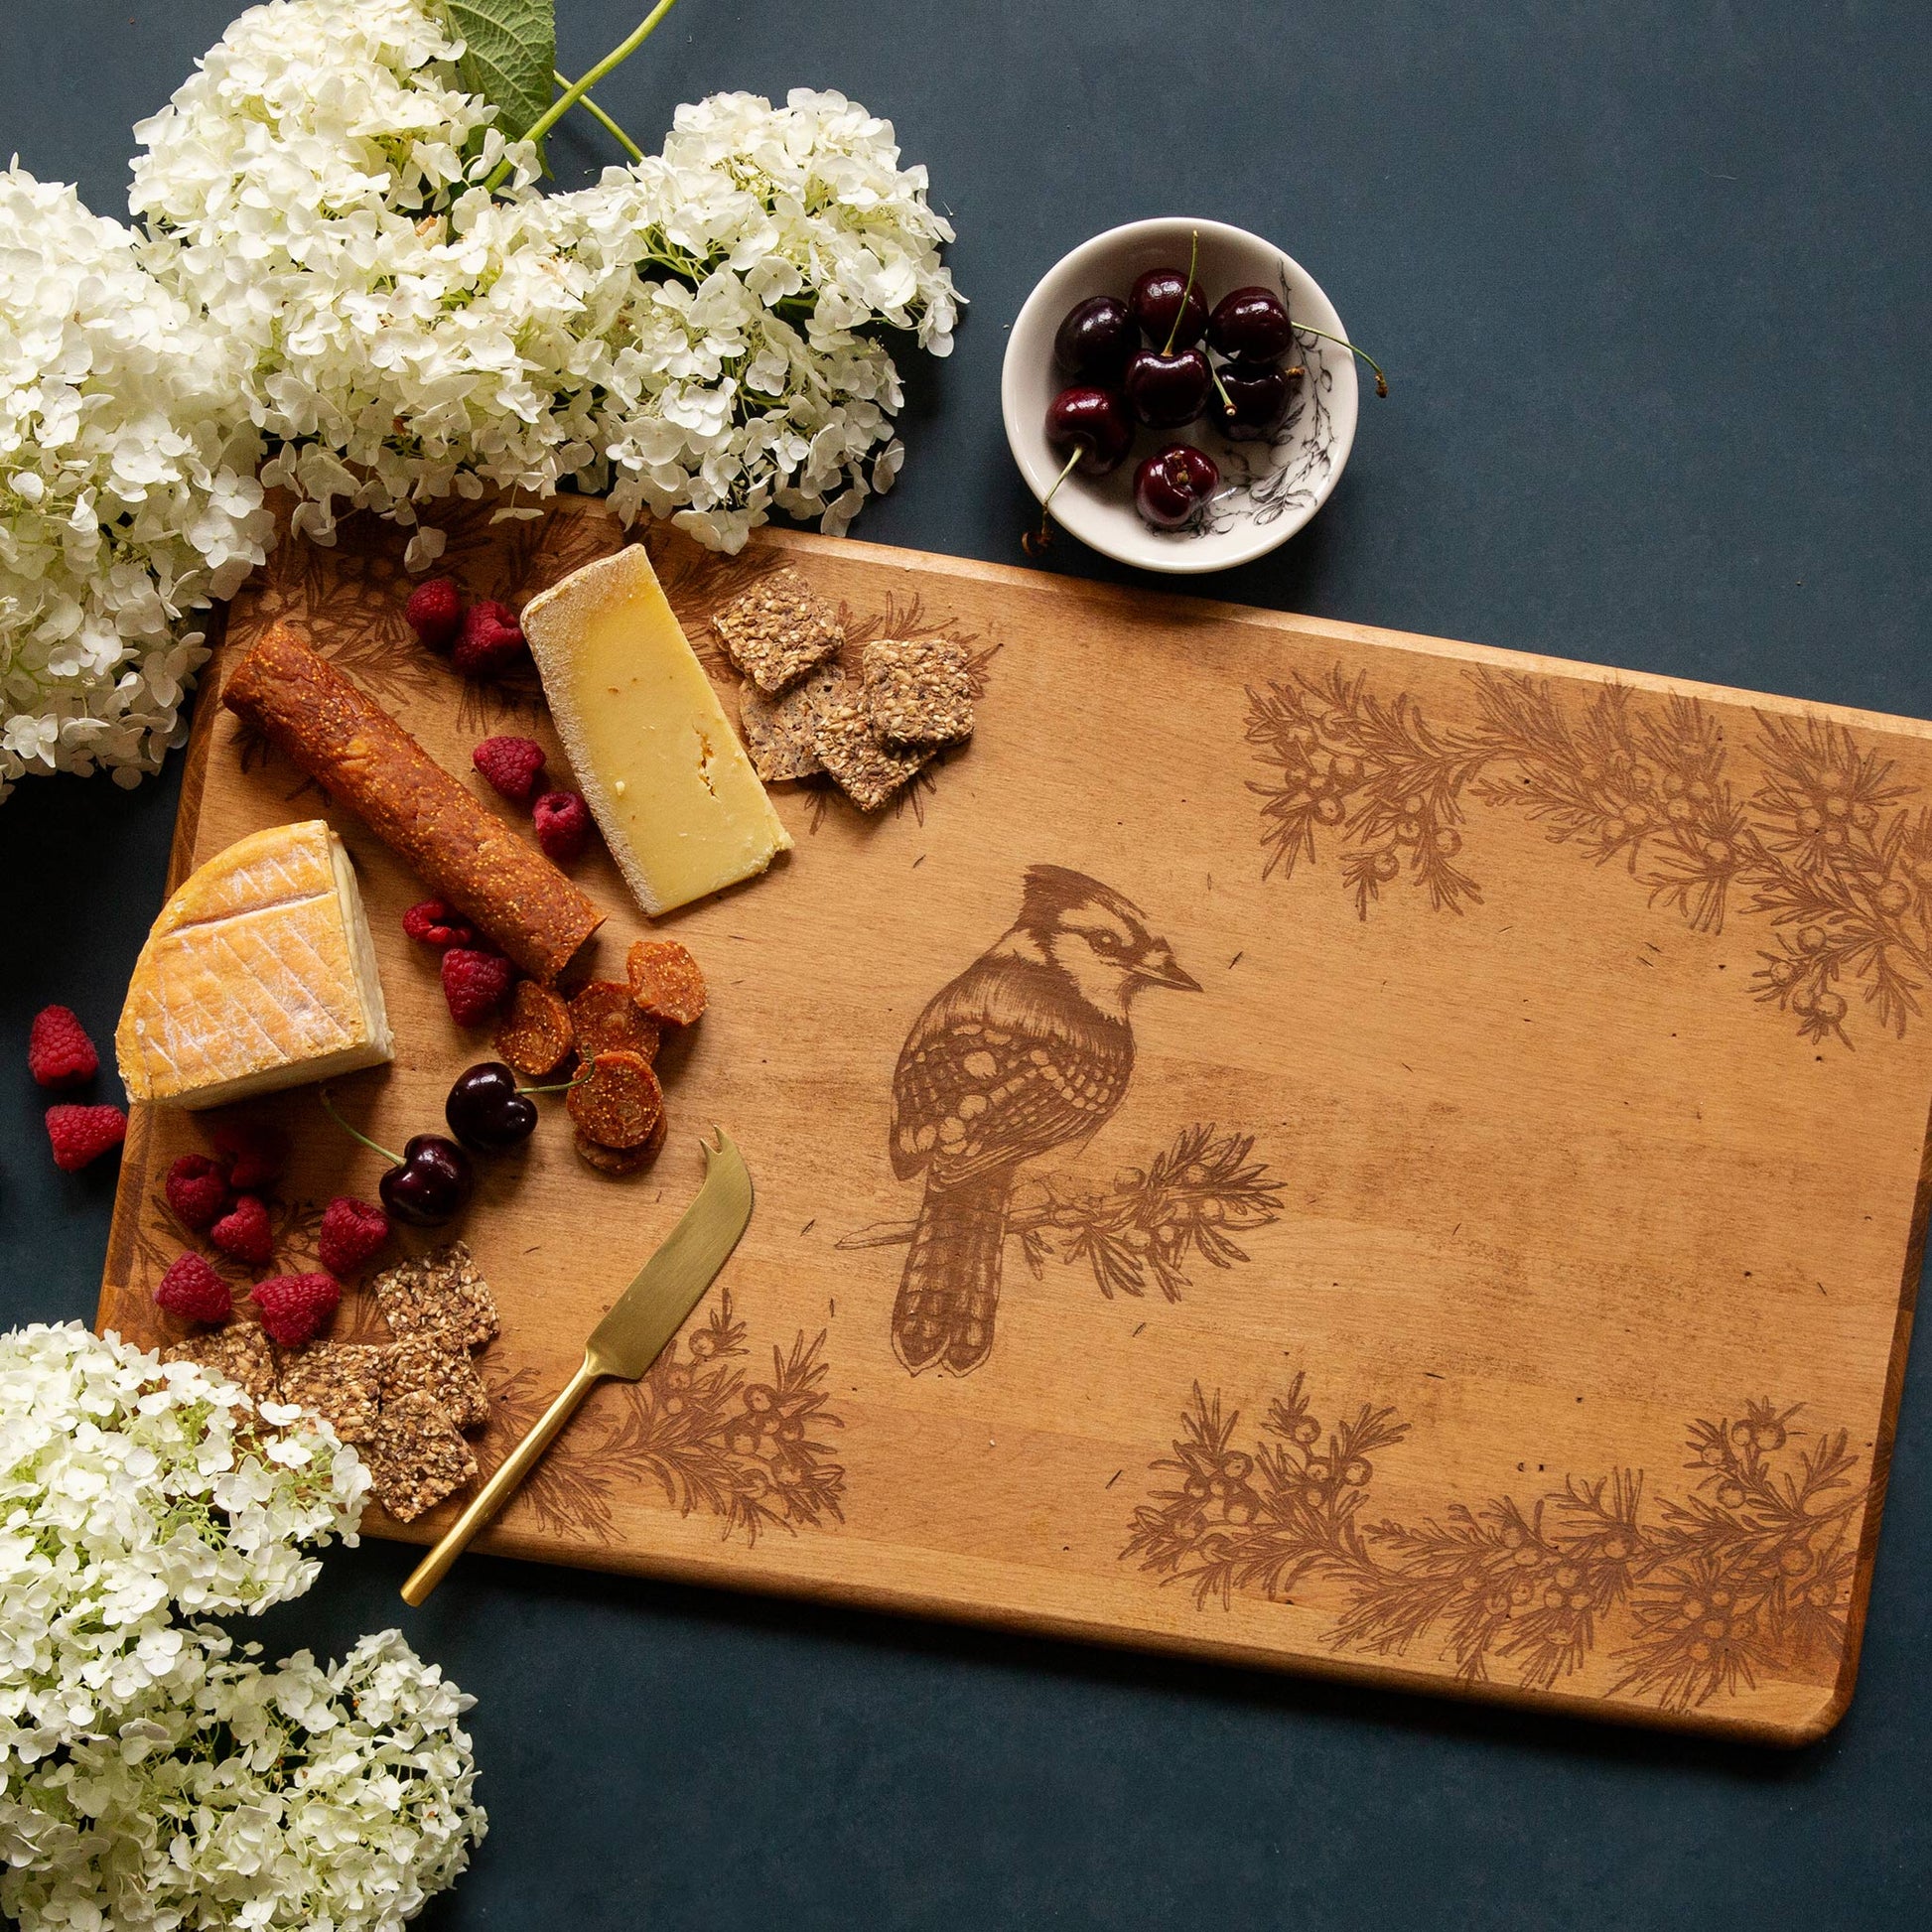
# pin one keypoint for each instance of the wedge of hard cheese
(658, 763)
(259, 974)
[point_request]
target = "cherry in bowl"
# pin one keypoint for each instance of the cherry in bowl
(1091, 427)
(1251, 399)
(1171, 488)
(1251, 324)
(1169, 308)
(1165, 391)
(1095, 340)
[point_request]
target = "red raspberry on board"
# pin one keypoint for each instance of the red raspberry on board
(245, 1232)
(474, 983)
(80, 1135)
(435, 611)
(490, 641)
(59, 1051)
(192, 1290)
(198, 1191)
(297, 1308)
(255, 1151)
(351, 1232)
(563, 823)
(436, 925)
(514, 766)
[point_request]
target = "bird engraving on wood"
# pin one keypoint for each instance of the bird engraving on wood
(1027, 1051)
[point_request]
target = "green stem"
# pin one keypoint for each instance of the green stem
(602, 120)
(576, 91)
(328, 1108)
(1381, 380)
(564, 1086)
(1036, 541)
(1193, 257)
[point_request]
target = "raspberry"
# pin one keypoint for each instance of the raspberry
(352, 1231)
(83, 1134)
(59, 1051)
(512, 764)
(192, 1290)
(475, 984)
(255, 1151)
(492, 640)
(243, 1231)
(563, 824)
(297, 1308)
(198, 1190)
(435, 611)
(436, 925)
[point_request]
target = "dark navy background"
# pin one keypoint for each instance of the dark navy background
(1650, 282)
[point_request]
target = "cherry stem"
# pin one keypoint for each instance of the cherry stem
(1214, 376)
(1035, 542)
(1381, 380)
(1193, 256)
(376, 1147)
(564, 1086)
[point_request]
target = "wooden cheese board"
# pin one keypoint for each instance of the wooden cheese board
(1495, 1278)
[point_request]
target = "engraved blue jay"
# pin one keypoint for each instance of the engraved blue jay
(1029, 1050)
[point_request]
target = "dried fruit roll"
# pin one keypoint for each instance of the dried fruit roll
(359, 755)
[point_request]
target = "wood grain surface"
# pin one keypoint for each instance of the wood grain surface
(1495, 1278)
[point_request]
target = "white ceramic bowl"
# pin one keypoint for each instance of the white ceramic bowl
(1269, 490)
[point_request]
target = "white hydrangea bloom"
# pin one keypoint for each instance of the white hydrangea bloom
(129, 1493)
(127, 492)
(698, 334)
(152, 1775)
(281, 1798)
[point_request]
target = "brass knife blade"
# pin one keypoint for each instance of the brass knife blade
(667, 1287)
(625, 1344)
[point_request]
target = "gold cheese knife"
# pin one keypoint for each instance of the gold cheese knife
(626, 1342)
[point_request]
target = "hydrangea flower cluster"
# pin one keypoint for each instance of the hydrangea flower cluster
(127, 490)
(153, 1774)
(697, 335)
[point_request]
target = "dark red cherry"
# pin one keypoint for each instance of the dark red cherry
(1252, 325)
(1251, 399)
(1168, 390)
(487, 1111)
(1096, 339)
(1169, 308)
(1096, 423)
(1169, 487)
(429, 1184)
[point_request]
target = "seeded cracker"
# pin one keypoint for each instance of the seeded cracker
(778, 631)
(339, 1381)
(419, 1364)
(240, 1352)
(867, 773)
(918, 693)
(416, 1458)
(778, 732)
(443, 1294)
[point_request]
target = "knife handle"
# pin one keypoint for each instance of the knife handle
(500, 1488)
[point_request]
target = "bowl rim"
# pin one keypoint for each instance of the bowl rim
(1178, 562)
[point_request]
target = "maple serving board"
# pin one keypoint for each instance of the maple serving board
(1476, 1242)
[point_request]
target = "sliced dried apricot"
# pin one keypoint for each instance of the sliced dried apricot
(608, 1021)
(666, 982)
(620, 1160)
(537, 1037)
(619, 1102)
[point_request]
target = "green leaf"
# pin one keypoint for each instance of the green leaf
(509, 57)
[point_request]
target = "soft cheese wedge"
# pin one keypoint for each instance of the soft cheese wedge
(259, 974)
(656, 758)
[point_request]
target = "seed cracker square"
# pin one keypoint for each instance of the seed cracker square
(918, 692)
(779, 731)
(779, 630)
(416, 1457)
(868, 773)
(340, 1381)
(419, 1364)
(240, 1352)
(442, 1293)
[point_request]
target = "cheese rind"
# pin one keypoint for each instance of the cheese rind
(658, 761)
(260, 973)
